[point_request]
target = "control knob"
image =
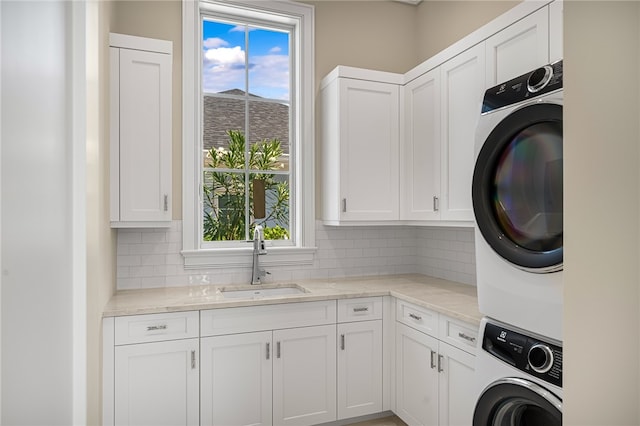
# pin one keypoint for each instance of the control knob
(539, 78)
(540, 358)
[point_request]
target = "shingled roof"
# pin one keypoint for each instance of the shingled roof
(268, 120)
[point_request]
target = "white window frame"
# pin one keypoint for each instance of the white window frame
(303, 135)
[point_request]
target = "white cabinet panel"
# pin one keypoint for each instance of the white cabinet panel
(157, 383)
(556, 18)
(416, 377)
(456, 386)
(360, 132)
(519, 48)
(420, 146)
(462, 92)
(236, 379)
(140, 175)
(304, 375)
(359, 368)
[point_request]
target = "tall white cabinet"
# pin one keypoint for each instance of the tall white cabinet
(360, 136)
(140, 131)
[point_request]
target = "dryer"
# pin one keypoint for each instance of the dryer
(517, 202)
(518, 378)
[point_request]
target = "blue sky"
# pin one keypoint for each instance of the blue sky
(224, 60)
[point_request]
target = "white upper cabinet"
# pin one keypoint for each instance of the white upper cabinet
(556, 16)
(140, 174)
(420, 148)
(360, 132)
(462, 92)
(519, 48)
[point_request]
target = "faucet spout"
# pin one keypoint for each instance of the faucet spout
(259, 249)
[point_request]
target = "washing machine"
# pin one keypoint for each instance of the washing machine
(517, 202)
(518, 378)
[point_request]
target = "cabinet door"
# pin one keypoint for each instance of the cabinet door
(359, 368)
(304, 375)
(556, 30)
(157, 383)
(519, 48)
(144, 135)
(235, 384)
(462, 92)
(457, 399)
(369, 133)
(416, 376)
(420, 148)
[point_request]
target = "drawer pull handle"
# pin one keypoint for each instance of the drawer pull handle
(278, 350)
(416, 317)
(268, 350)
(193, 360)
(364, 309)
(467, 337)
(157, 327)
(433, 359)
(440, 364)
(342, 342)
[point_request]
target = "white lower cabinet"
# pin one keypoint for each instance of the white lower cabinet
(157, 383)
(360, 357)
(434, 379)
(304, 375)
(236, 379)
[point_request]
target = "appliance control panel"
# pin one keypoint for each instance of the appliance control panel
(531, 355)
(538, 82)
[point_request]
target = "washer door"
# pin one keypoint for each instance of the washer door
(517, 188)
(514, 401)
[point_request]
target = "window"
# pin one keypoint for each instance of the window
(247, 131)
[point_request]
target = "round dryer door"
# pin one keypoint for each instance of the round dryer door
(517, 188)
(514, 401)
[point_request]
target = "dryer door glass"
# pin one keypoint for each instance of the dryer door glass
(517, 188)
(514, 401)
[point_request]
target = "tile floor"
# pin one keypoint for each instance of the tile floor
(385, 421)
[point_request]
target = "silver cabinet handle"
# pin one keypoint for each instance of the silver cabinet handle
(268, 350)
(363, 309)
(166, 202)
(342, 342)
(467, 337)
(436, 205)
(415, 317)
(278, 350)
(440, 363)
(193, 360)
(344, 205)
(157, 327)
(433, 359)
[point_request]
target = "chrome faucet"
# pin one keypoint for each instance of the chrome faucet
(258, 250)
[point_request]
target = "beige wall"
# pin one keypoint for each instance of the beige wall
(601, 155)
(442, 23)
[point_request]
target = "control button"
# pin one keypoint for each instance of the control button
(540, 358)
(539, 79)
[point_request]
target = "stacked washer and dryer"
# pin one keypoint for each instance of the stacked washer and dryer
(517, 203)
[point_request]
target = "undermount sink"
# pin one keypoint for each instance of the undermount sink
(262, 292)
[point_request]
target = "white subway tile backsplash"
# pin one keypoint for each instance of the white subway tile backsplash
(151, 257)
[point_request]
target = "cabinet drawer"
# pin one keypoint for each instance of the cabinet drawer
(459, 334)
(361, 309)
(216, 322)
(156, 327)
(420, 318)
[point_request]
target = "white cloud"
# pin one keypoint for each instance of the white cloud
(225, 55)
(276, 49)
(214, 42)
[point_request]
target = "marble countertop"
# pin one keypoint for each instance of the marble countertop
(453, 299)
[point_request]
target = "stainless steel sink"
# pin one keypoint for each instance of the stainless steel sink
(260, 292)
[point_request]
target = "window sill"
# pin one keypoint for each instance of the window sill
(242, 257)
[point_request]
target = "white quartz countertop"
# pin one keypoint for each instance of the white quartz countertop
(453, 299)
